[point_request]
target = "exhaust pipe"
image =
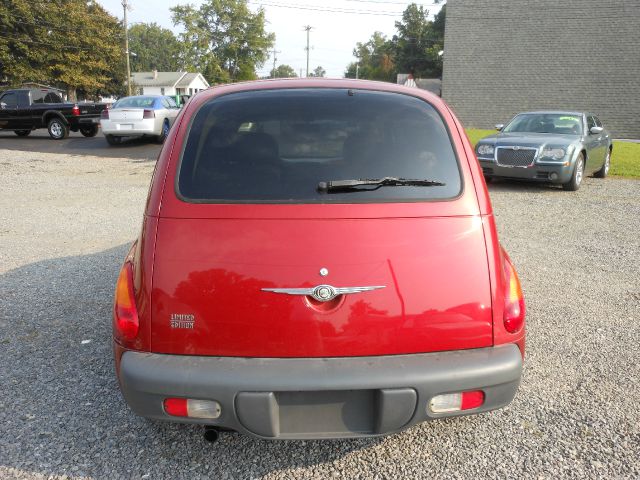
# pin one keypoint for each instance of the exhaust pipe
(211, 434)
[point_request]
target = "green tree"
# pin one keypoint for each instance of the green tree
(223, 39)
(318, 72)
(154, 48)
(72, 44)
(283, 71)
(375, 59)
(418, 43)
(414, 49)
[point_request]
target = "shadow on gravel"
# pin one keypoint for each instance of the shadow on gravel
(500, 185)
(60, 407)
(137, 148)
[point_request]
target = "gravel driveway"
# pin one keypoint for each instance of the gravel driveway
(65, 225)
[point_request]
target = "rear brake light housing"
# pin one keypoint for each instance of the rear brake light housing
(192, 408)
(125, 318)
(104, 114)
(514, 307)
(149, 114)
(75, 111)
(456, 402)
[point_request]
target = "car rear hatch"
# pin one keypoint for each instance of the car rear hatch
(210, 278)
(245, 238)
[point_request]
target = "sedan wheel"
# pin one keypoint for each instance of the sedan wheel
(578, 174)
(604, 171)
(165, 132)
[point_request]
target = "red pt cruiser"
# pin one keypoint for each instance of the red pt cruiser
(318, 259)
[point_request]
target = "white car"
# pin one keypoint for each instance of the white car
(143, 115)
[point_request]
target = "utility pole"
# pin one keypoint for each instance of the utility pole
(275, 52)
(308, 29)
(125, 6)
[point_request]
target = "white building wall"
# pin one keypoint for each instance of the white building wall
(198, 83)
(158, 90)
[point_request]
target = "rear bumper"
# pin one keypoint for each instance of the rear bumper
(318, 397)
(552, 173)
(126, 128)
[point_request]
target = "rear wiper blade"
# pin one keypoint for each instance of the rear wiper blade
(354, 185)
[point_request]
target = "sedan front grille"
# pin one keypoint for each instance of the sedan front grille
(516, 157)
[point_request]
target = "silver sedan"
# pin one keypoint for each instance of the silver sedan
(555, 147)
(144, 115)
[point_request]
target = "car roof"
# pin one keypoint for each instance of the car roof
(554, 112)
(321, 82)
(144, 96)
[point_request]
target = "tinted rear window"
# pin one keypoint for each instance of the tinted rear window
(135, 102)
(277, 145)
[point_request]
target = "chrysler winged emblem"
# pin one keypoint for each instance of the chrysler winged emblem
(322, 293)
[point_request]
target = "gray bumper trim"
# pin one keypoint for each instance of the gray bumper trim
(395, 390)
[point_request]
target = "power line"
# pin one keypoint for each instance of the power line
(406, 4)
(318, 8)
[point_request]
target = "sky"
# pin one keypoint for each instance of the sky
(333, 36)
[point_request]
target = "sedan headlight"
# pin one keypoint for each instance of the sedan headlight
(486, 150)
(554, 153)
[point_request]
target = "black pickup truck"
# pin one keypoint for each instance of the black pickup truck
(23, 110)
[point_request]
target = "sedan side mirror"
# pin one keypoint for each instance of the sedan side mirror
(596, 130)
(499, 127)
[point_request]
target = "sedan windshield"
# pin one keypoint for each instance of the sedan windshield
(135, 102)
(558, 123)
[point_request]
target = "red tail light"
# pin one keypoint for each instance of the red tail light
(126, 323)
(75, 111)
(514, 308)
(472, 399)
(104, 114)
(149, 114)
(176, 407)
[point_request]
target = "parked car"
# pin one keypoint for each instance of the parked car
(143, 115)
(318, 259)
(24, 110)
(554, 147)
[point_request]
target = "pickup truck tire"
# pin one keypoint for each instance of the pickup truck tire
(57, 129)
(165, 131)
(113, 140)
(22, 133)
(91, 131)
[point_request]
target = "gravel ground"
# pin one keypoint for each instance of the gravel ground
(66, 222)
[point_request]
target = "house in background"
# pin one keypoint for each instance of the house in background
(168, 83)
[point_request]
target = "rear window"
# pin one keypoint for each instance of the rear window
(135, 102)
(276, 146)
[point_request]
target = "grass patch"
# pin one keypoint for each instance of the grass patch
(625, 161)
(476, 134)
